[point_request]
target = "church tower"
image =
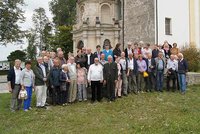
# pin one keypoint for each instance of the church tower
(97, 23)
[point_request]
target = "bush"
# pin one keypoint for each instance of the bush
(192, 55)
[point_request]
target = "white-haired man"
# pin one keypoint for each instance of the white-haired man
(182, 70)
(41, 73)
(14, 87)
(110, 74)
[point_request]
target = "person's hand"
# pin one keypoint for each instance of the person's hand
(104, 82)
(52, 86)
(68, 81)
(45, 79)
(101, 81)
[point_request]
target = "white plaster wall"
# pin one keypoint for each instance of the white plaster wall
(178, 11)
(197, 22)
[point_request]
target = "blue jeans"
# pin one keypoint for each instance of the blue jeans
(159, 80)
(27, 102)
(182, 82)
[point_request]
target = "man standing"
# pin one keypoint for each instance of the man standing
(98, 53)
(90, 58)
(73, 78)
(182, 70)
(41, 72)
(110, 77)
(54, 77)
(128, 50)
(95, 77)
(172, 67)
(160, 66)
(124, 63)
(151, 65)
(14, 86)
(132, 74)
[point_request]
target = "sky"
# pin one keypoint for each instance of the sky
(28, 8)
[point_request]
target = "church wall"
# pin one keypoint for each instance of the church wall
(139, 21)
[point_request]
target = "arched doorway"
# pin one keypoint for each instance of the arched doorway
(80, 44)
(106, 41)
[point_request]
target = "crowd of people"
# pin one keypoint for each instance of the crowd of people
(108, 73)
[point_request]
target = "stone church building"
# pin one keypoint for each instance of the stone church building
(100, 22)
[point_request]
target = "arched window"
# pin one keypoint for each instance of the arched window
(106, 41)
(80, 44)
(105, 14)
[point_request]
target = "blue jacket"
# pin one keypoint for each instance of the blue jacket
(110, 52)
(54, 76)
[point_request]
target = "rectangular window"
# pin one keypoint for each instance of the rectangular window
(168, 26)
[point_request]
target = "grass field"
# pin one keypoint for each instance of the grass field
(148, 113)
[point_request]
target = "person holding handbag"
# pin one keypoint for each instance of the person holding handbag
(64, 84)
(27, 83)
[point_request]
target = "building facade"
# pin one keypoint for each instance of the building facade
(150, 21)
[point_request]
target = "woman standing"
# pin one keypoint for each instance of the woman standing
(64, 86)
(81, 82)
(27, 83)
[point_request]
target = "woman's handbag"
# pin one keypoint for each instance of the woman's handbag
(145, 74)
(23, 95)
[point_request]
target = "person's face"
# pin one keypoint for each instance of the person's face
(89, 51)
(102, 57)
(78, 66)
(149, 56)
(140, 58)
(175, 45)
(172, 57)
(98, 49)
(65, 69)
(83, 50)
(28, 66)
(117, 60)
(107, 47)
(46, 59)
(96, 61)
(122, 54)
(135, 46)
(109, 59)
(136, 56)
(40, 60)
(72, 60)
(160, 55)
(56, 63)
(17, 64)
(129, 46)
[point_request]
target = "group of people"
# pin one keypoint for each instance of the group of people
(111, 73)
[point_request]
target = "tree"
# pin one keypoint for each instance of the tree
(31, 49)
(18, 54)
(63, 39)
(64, 12)
(11, 15)
(40, 21)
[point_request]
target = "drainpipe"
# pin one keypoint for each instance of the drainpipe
(123, 8)
(156, 21)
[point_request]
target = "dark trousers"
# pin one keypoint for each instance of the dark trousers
(56, 93)
(96, 87)
(63, 96)
(174, 79)
(151, 81)
(110, 87)
(159, 80)
(15, 102)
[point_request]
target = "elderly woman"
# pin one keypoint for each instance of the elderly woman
(64, 86)
(142, 67)
(27, 83)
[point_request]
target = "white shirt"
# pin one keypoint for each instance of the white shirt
(131, 64)
(95, 72)
(17, 75)
(88, 59)
(130, 51)
(172, 64)
(123, 63)
(43, 70)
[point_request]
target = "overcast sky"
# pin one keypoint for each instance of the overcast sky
(29, 8)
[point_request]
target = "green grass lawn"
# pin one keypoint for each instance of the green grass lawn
(148, 113)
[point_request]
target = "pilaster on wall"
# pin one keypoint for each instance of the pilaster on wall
(192, 23)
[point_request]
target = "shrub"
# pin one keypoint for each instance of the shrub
(192, 55)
